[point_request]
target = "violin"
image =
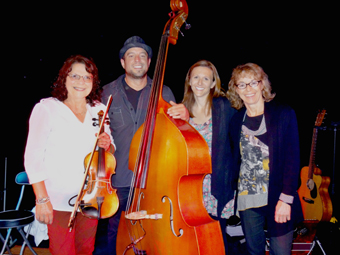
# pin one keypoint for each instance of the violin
(96, 198)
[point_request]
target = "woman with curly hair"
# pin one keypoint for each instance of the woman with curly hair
(61, 134)
(265, 147)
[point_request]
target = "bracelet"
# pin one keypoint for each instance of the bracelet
(43, 200)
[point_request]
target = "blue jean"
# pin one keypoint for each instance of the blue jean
(253, 225)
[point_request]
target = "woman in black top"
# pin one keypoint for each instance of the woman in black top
(266, 160)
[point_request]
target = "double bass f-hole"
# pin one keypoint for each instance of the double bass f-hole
(140, 196)
(172, 218)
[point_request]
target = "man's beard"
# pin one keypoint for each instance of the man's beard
(136, 75)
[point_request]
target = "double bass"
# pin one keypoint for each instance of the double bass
(165, 213)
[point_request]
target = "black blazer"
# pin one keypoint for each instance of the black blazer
(284, 160)
(221, 178)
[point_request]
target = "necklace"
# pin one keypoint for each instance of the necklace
(261, 130)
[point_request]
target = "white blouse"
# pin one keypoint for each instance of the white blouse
(56, 146)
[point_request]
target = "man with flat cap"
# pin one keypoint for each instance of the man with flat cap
(130, 93)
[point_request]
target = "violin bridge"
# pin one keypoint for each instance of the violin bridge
(141, 215)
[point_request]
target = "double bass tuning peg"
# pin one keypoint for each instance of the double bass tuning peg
(187, 26)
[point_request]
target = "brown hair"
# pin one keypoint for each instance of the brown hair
(246, 70)
(59, 87)
(216, 91)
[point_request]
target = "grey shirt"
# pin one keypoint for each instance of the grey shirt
(124, 122)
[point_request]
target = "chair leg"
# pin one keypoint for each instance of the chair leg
(5, 245)
(26, 241)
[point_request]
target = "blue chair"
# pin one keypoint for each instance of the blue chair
(17, 219)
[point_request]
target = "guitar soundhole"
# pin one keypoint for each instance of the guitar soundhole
(314, 192)
(312, 187)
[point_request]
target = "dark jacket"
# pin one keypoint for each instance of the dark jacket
(221, 178)
(284, 160)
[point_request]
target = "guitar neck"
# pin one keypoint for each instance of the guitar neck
(312, 154)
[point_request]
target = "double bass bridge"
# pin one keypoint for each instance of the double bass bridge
(143, 215)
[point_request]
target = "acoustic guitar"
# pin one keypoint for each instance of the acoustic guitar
(313, 192)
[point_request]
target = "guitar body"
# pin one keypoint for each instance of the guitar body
(316, 203)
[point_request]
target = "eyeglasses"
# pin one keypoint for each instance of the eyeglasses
(252, 84)
(77, 77)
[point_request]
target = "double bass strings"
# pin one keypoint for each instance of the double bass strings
(141, 167)
(146, 138)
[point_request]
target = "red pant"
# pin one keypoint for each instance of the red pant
(79, 241)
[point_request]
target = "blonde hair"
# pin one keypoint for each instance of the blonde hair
(246, 70)
(216, 91)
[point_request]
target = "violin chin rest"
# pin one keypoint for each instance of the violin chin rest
(90, 212)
